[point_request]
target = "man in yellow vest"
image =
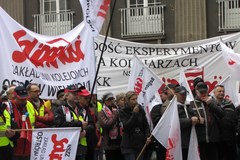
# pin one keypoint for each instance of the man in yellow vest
(44, 116)
(24, 116)
(66, 115)
(6, 134)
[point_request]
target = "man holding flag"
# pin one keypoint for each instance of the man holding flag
(208, 131)
(187, 119)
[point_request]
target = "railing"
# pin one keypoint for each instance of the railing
(142, 21)
(229, 14)
(53, 24)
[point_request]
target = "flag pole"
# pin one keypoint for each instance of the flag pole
(144, 147)
(104, 43)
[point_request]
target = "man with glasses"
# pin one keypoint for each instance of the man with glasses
(44, 116)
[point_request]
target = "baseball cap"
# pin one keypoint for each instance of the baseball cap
(172, 86)
(84, 93)
(107, 96)
(196, 81)
(180, 89)
(21, 92)
(202, 87)
(71, 88)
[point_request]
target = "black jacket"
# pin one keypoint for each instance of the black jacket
(60, 118)
(228, 123)
(135, 128)
(209, 131)
(185, 123)
(156, 114)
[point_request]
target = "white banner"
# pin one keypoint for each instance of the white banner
(198, 59)
(52, 62)
(54, 143)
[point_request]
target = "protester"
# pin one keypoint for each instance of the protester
(120, 100)
(196, 81)
(66, 115)
(7, 135)
(24, 116)
(156, 114)
(44, 117)
(10, 92)
(55, 103)
(86, 113)
(97, 107)
(170, 89)
(227, 125)
(187, 119)
(109, 121)
(164, 95)
(135, 127)
(207, 129)
(237, 110)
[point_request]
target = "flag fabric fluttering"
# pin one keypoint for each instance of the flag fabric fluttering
(168, 132)
(95, 12)
(230, 90)
(183, 82)
(231, 59)
(144, 82)
(193, 150)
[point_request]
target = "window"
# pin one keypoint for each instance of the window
(54, 6)
(234, 4)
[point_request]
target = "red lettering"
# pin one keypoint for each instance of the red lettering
(58, 147)
(44, 54)
(138, 86)
(104, 7)
(19, 56)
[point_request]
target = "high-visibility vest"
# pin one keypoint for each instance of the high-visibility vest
(41, 111)
(32, 112)
(47, 104)
(83, 140)
(99, 108)
(4, 141)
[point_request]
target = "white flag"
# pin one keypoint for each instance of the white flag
(55, 143)
(193, 150)
(183, 82)
(231, 59)
(168, 133)
(230, 90)
(95, 12)
(144, 82)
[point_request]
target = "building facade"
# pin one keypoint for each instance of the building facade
(146, 21)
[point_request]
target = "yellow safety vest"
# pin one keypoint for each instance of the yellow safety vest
(83, 140)
(32, 112)
(47, 104)
(41, 111)
(4, 141)
(99, 108)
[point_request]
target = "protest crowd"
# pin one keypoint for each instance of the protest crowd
(116, 126)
